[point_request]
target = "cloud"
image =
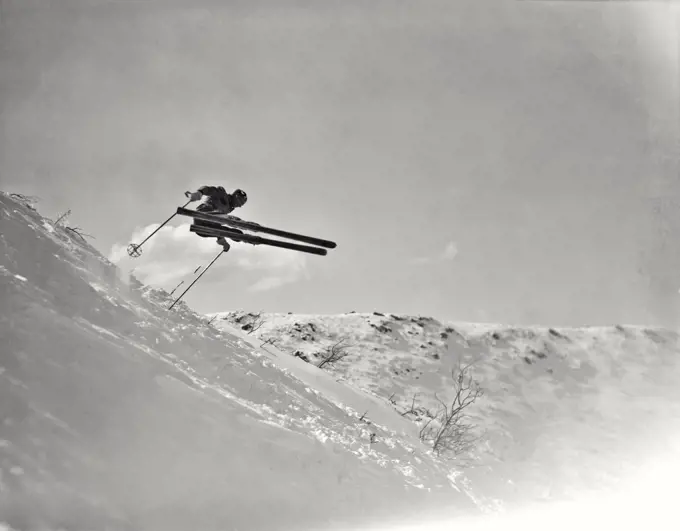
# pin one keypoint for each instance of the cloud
(449, 253)
(174, 252)
(288, 267)
(268, 283)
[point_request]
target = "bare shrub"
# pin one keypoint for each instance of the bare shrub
(61, 222)
(271, 341)
(413, 410)
(27, 200)
(450, 432)
(334, 353)
(63, 217)
(79, 232)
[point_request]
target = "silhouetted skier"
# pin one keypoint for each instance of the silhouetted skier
(217, 201)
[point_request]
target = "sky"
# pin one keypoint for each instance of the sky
(500, 161)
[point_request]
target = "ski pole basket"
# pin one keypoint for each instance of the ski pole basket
(134, 250)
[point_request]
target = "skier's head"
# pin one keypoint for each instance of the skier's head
(240, 197)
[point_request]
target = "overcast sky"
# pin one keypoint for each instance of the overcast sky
(475, 161)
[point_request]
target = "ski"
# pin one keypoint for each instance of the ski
(256, 240)
(254, 227)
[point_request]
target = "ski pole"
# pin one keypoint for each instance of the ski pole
(133, 249)
(195, 280)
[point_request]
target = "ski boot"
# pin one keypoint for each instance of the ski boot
(224, 243)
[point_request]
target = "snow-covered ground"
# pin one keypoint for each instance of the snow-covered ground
(116, 413)
(563, 410)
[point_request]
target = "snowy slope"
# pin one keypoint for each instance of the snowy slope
(116, 413)
(564, 409)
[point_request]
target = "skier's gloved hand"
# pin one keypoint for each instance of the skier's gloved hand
(193, 196)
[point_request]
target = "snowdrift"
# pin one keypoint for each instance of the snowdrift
(116, 413)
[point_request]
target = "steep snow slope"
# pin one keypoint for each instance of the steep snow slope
(564, 409)
(118, 414)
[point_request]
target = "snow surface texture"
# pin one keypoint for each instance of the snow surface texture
(564, 410)
(116, 413)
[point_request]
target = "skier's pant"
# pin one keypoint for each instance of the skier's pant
(211, 224)
(207, 224)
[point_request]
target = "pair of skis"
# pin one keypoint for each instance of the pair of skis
(233, 228)
(316, 246)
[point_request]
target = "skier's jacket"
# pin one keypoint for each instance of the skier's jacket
(215, 199)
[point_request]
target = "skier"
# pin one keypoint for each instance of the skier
(217, 201)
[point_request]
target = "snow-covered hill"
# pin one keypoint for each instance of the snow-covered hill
(116, 413)
(563, 410)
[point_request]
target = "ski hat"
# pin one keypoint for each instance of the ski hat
(240, 196)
